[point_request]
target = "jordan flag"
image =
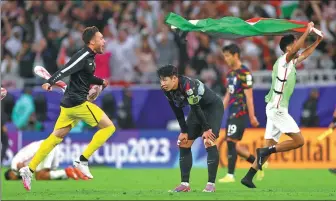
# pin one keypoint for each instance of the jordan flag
(234, 27)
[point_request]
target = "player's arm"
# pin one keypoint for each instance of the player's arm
(226, 99)
(96, 80)
(248, 91)
(179, 116)
(299, 44)
(307, 52)
(75, 64)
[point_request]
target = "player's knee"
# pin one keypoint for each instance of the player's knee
(300, 140)
(62, 132)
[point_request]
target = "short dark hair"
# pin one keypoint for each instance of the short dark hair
(167, 71)
(285, 41)
(232, 48)
(7, 174)
(89, 33)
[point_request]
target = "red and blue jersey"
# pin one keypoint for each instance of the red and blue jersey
(237, 81)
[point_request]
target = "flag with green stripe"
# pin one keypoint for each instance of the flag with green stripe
(234, 27)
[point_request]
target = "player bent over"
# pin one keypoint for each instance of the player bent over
(75, 107)
(278, 119)
(204, 120)
(46, 170)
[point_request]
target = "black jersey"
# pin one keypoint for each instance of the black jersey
(81, 68)
(194, 93)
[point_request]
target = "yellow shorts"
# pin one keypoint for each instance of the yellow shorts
(87, 112)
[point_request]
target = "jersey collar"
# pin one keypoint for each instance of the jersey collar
(90, 51)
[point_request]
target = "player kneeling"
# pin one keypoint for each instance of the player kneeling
(204, 120)
(46, 170)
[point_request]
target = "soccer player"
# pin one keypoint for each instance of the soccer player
(75, 107)
(278, 119)
(239, 98)
(333, 126)
(46, 170)
(204, 120)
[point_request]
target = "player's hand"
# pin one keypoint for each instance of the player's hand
(105, 83)
(47, 87)
(310, 26)
(254, 121)
(208, 135)
(320, 38)
(182, 139)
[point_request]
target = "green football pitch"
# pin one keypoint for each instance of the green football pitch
(145, 184)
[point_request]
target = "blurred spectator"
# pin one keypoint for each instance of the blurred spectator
(123, 59)
(146, 66)
(4, 140)
(23, 111)
(124, 114)
(309, 116)
(166, 49)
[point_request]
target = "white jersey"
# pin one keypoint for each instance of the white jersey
(26, 154)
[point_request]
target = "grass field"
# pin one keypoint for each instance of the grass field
(111, 184)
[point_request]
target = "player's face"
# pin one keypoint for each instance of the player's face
(168, 83)
(99, 43)
(229, 58)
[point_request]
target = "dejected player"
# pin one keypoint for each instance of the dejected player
(278, 119)
(239, 99)
(75, 107)
(204, 120)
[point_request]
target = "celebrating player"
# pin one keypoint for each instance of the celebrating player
(75, 107)
(278, 119)
(204, 120)
(239, 97)
(46, 170)
(333, 126)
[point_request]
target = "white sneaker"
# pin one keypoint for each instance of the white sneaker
(83, 166)
(27, 176)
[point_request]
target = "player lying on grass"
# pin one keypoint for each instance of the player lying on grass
(278, 119)
(333, 126)
(204, 120)
(239, 99)
(46, 170)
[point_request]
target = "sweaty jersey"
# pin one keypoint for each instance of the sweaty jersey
(283, 82)
(237, 81)
(25, 154)
(194, 93)
(81, 68)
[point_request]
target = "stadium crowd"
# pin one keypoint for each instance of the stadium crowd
(138, 40)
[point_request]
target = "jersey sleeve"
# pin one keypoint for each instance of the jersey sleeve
(75, 64)
(247, 79)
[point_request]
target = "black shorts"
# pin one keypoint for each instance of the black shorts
(214, 116)
(236, 126)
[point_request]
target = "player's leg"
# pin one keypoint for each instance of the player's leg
(272, 136)
(93, 116)
(248, 179)
(214, 117)
(194, 130)
(62, 128)
(286, 124)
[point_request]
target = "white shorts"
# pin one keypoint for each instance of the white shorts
(50, 162)
(279, 121)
